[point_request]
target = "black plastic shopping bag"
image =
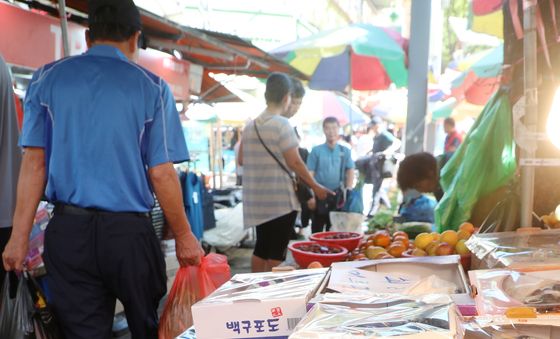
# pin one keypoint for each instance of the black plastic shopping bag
(7, 303)
(16, 310)
(24, 313)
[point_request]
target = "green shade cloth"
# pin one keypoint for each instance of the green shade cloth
(483, 163)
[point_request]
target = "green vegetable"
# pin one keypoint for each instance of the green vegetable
(381, 220)
(415, 228)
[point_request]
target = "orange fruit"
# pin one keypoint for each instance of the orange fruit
(464, 235)
(400, 233)
(315, 264)
(435, 235)
(402, 239)
(467, 226)
(382, 240)
(449, 237)
(396, 250)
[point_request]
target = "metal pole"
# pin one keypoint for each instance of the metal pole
(213, 155)
(64, 27)
(531, 113)
(418, 76)
(220, 154)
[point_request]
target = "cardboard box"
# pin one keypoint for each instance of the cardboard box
(380, 316)
(257, 305)
(447, 268)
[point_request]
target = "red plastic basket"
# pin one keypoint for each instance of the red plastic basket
(303, 258)
(349, 243)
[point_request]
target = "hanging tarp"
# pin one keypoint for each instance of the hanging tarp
(484, 162)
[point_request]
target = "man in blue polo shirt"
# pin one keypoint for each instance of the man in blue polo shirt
(99, 134)
(332, 166)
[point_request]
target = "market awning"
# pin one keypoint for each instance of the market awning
(212, 91)
(216, 52)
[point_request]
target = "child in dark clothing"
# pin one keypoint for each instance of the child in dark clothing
(418, 174)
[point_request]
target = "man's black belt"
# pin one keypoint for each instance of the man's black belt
(75, 210)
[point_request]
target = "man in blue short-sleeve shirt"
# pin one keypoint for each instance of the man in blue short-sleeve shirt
(332, 166)
(100, 136)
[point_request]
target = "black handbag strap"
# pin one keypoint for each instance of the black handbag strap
(342, 166)
(292, 177)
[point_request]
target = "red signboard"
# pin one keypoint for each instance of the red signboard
(30, 39)
(174, 71)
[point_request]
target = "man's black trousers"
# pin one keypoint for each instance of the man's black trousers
(94, 258)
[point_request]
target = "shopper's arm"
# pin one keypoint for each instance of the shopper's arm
(312, 203)
(294, 162)
(240, 153)
(168, 191)
(30, 189)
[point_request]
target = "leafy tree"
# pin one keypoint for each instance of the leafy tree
(452, 8)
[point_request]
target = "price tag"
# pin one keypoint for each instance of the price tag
(540, 162)
(534, 136)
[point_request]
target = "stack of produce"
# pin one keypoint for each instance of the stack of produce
(383, 245)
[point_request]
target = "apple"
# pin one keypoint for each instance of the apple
(422, 240)
(461, 248)
(419, 252)
(373, 251)
(444, 249)
(431, 248)
(383, 256)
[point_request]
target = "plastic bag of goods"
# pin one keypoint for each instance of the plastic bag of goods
(192, 283)
(346, 222)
